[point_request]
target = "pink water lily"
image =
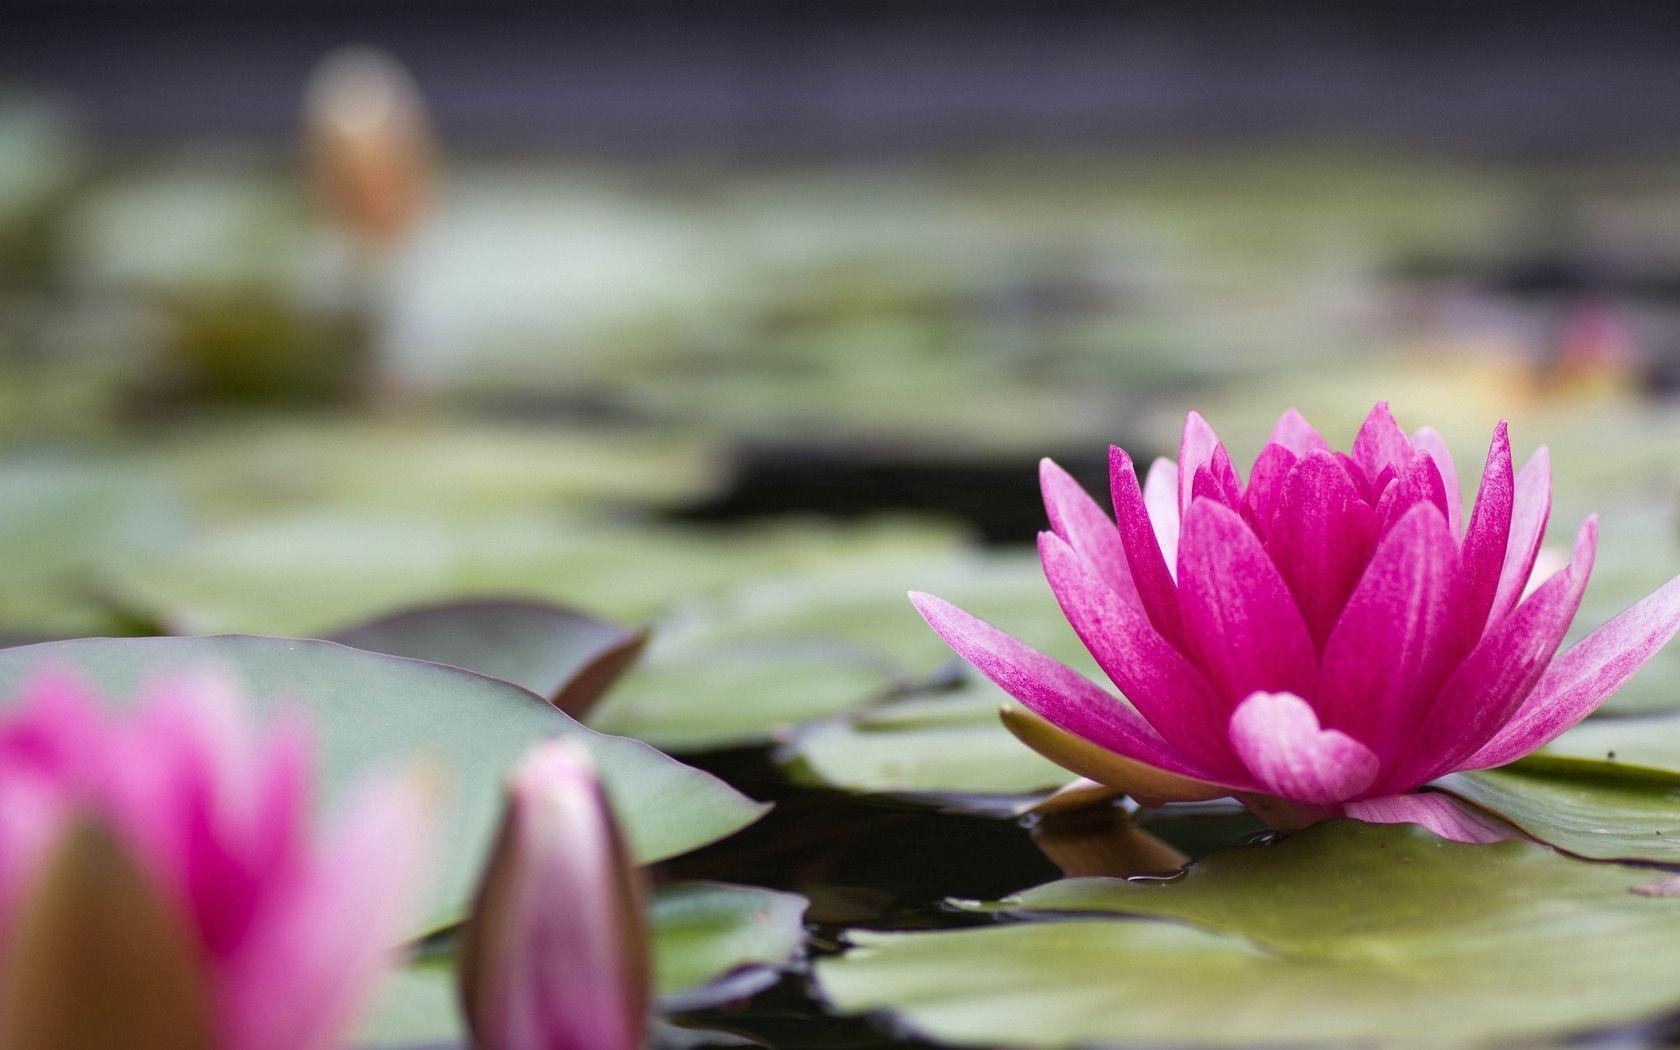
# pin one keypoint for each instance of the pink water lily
(282, 931)
(1321, 641)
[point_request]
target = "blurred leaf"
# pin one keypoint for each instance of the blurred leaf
(564, 656)
(371, 710)
(1345, 933)
(785, 649)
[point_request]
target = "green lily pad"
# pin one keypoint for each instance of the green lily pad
(559, 654)
(702, 932)
(705, 931)
(1344, 933)
(944, 746)
(1608, 789)
(780, 651)
(62, 526)
(1599, 810)
(373, 710)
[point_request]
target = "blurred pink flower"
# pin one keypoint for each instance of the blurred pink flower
(290, 929)
(1322, 641)
(555, 954)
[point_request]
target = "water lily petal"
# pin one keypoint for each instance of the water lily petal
(1488, 535)
(1046, 686)
(1321, 538)
(1278, 737)
(1380, 443)
(1429, 442)
(1531, 506)
(1155, 584)
(1584, 676)
(1150, 785)
(1265, 486)
(1241, 620)
(1078, 519)
(1419, 481)
(1394, 644)
(1195, 451)
(1444, 815)
(1294, 433)
(1163, 685)
(1496, 676)
(1160, 501)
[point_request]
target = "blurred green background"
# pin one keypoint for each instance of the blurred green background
(360, 351)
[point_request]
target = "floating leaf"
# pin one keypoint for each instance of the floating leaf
(705, 931)
(1343, 933)
(562, 655)
(702, 933)
(371, 709)
(1601, 810)
(777, 652)
(942, 744)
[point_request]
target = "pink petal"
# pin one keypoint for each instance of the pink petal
(1278, 737)
(1241, 620)
(1442, 814)
(1396, 641)
(1381, 443)
(1585, 675)
(1078, 519)
(1496, 676)
(1418, 482)
(1429, 442)
(1265, 486)
(1160, 500)
(1155, 585)
(1294, 433)
(32, 814)
(1195, 451)
(1531, 506)
(1048, 688)
(1218, 481)
(1321, 538)
(308, 966)
(1488, 534)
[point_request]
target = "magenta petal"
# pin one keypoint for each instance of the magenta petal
(1240, 618)
(1427, 441)
(1584, 676)
(1488, 534)
(1164, 686)
(1321, 537)
(1155, 585)
(1381, 443)
(1395, 642)
(1278, 737)
(1195, 451)
(1295, 434)
(1531, 507)
(1078, 519)
(1265, 486)
(1418, 482)
(1503, 668)
(1047, 687)
(1160, 500)
(1444, 815)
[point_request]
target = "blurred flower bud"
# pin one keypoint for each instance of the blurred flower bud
(555, 953)
(370, 145)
